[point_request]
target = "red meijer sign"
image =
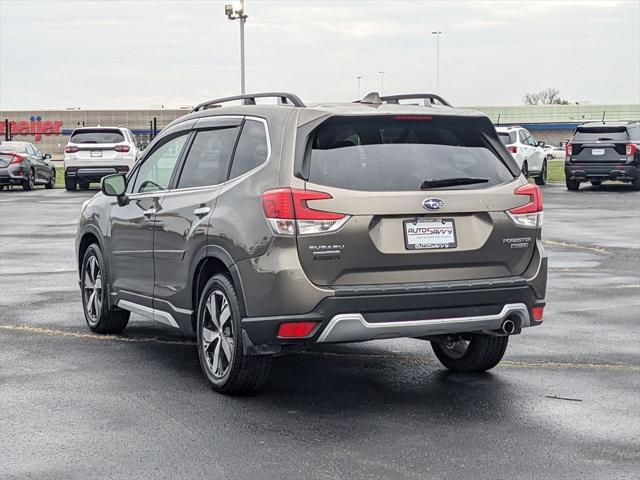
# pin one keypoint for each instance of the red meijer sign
(35, 127)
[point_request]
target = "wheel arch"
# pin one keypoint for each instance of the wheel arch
(214, 260)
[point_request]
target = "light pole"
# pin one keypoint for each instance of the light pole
(359, 77)
(235, 11)
(437, 34)
(381, 82)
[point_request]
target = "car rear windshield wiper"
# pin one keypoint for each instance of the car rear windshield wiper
(450, 182)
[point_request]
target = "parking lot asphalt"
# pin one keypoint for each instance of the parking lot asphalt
(563, 404)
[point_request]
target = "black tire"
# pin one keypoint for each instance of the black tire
(241, 374)
(84, 185)
(29, 182)
(636, 184)
(596, 183)
(541, 179)
(573, 185)
(69, 184)
(525, 169)
(100, 318)
(482, 352)
(52, 181)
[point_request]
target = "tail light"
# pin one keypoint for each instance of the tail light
(631, 149)
(122, 168)
(122, 148)
(287, 211)
(71, 149)
(538, 313)
(529, 214)
(16, 159)
(568, 149)
(512, 148)
(296, 329)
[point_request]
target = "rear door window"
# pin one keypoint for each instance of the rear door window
(252, 150)
(399, 153)
(97, 136)
(207, 162)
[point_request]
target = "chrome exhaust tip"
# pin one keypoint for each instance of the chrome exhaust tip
(508, 327)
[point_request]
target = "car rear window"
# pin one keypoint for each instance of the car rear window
(507, 138)
(398, 153)
(603, 134)
(13, 147)
(97, 136)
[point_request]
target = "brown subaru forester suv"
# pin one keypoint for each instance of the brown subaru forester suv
(262, 229)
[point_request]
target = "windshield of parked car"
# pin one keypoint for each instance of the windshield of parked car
(397, 153)
(97, 136)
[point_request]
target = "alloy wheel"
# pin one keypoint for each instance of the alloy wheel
(93, 289)
(455, 347)
(217, 334)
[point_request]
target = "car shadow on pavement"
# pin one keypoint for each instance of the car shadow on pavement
(348, 380)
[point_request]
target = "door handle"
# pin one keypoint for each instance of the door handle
(148, 213)
(201, 211)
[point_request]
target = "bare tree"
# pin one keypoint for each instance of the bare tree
(548, 96)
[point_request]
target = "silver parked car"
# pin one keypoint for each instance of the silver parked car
(21, 163)
(262, 229)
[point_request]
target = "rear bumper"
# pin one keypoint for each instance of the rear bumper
(360, 317)
(93, 174)
(12, 175)
(601, 171)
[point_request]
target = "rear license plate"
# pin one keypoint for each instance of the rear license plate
(429, 233)
(96, 153)
(597, 151)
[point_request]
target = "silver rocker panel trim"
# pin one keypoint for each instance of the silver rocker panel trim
(152, 313)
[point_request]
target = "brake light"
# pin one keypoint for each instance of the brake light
(71, 149)
(287, 210)
(512, 148)
(631, 149)
(122, 148)
(296, 329)
(413, 117)
(538, 313)
(568, 149)
(529, 214)
(16, 159)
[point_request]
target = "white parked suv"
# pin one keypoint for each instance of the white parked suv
(93, 152)
(528, 154)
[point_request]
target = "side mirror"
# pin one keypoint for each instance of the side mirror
(115, 186)
(47, 156)
(540, 143)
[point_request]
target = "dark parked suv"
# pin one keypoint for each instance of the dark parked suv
(262, 229)
(600, 151)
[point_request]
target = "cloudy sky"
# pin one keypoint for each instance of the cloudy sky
(142, 53)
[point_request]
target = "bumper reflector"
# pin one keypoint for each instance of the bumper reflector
(538, 312)
(296, 329)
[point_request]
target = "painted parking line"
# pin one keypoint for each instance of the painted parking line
(392, 356)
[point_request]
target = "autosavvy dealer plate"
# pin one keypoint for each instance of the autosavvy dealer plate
(429, 233)
(597, 151)
(96, 153)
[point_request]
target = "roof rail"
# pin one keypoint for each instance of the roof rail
(432, 97)
(250, 99)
